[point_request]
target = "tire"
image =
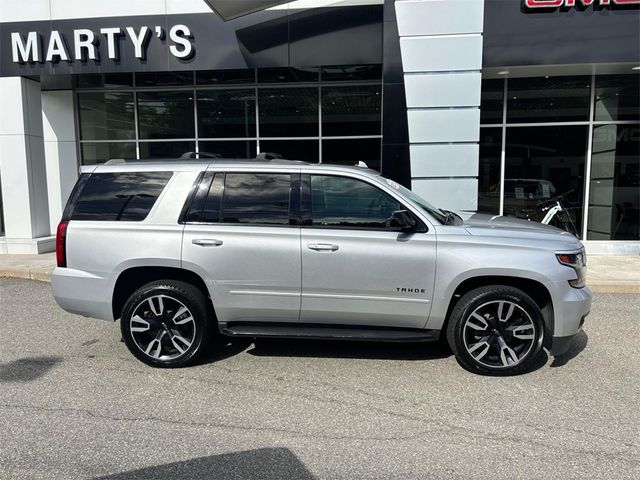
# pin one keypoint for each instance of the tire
(167, 324)
(496, 330)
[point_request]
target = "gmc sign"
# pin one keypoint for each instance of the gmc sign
(573, 3)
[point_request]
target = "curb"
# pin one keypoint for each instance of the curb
(37, 275)
(602, 286)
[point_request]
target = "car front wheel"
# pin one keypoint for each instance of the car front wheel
(496, 330)
(165, 324)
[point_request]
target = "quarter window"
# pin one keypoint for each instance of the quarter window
(341, 202)
(125, 196)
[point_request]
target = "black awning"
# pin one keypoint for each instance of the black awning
(229, 9)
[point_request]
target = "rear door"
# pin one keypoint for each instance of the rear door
(356, 268)
(242, 232)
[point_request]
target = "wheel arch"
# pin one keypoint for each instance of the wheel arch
(536, 290)
(131, 279)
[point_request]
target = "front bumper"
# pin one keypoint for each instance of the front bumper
(570, 309)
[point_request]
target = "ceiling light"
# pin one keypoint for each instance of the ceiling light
(503, 72)
(636, 68)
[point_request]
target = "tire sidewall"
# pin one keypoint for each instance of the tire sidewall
(185, 293)
(473, 300)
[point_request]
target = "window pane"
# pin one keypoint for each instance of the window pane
(106, 116)
(542, 163)
(618, 97)
(256, 198)
(492, 101)
(351, 110)
(489, 171)
(165, 149)
(197, 204)
(614, 194)
(553, 99)
(350, 152)
(342, 202)
(154, 79)
(226, 113)
(119, 196)
(93, 153)
(209, 77)
(278, 75)
(351, 73)
(166, 114)
(288, 112)
(108, 80)
(305, 150)
(231, 149)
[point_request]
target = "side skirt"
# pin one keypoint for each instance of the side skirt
(328, 332)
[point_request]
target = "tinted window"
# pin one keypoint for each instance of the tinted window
(119, 196)
(257, 198)
(346, 202)
(553, 99)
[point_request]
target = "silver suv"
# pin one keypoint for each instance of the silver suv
(185, 253)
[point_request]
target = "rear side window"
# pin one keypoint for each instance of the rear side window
(257, 198)
(127, 196)
(249, 198)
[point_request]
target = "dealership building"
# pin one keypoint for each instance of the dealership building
(478, 105)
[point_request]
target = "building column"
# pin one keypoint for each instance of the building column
(441, 49)
(22, 169)
(59, 150)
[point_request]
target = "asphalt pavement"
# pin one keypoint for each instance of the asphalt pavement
(75, 404)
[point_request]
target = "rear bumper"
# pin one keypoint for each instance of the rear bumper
(82, 293)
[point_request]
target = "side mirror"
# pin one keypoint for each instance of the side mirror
(402, 220)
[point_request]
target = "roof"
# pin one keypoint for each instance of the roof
(182, 164)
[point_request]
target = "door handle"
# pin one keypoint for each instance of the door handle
(207, 242)
(323, 247)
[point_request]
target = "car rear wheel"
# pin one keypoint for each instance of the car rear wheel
(166, 324)
(496, 330)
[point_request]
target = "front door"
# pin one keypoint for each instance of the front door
(241, 235)
(356, 269)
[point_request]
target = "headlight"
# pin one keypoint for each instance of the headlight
(577, 261)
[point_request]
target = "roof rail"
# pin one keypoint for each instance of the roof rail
(195, 155)
(269, 156)
(361, 164)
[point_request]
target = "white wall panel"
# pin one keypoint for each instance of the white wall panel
(59, 150)
(25, 11)
(441, 53)
(443, 89)
(436, 17)
(444, 125)
(451, 194)
(61, 9)
(449, 160)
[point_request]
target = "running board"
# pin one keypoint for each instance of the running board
(329, 332)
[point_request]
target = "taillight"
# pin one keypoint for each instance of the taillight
(61, 244)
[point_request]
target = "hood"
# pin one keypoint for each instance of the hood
(496, 225)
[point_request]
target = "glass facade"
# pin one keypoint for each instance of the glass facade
(573, 138)
(329, 114)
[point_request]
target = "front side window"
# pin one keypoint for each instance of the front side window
(342, 202)
(127, 196)
(256, 198)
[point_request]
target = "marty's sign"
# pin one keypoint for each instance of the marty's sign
(86, 44)
(537, 4)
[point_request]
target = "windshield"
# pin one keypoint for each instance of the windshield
(421, 202)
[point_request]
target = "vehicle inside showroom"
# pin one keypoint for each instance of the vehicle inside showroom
(505, 107)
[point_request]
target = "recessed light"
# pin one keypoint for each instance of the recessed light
(636, 68)
(546, 76)
(503, 72)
